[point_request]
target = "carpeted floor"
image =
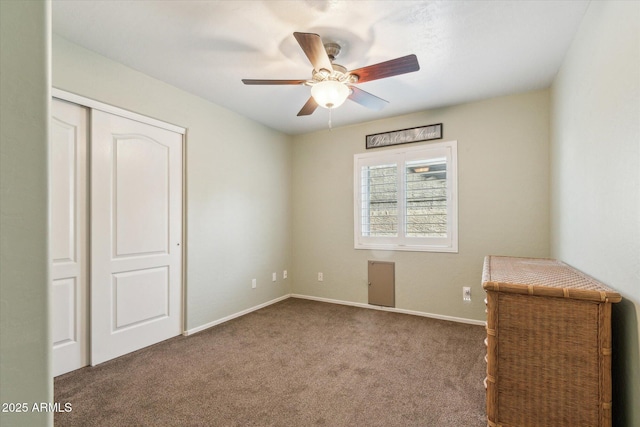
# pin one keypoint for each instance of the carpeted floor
(294, 363)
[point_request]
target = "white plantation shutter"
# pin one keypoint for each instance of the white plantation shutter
(380, 203)
(426, 198)
(405, 199)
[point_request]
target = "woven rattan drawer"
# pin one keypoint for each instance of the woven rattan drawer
(548, 344)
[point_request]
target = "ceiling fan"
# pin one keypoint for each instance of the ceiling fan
(331, 84)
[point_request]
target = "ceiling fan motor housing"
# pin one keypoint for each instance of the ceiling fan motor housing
(339, 74)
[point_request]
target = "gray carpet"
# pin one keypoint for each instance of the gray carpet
(294, 363)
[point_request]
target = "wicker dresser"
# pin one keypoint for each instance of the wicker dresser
(548, 344)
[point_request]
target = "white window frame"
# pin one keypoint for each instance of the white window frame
(400, 156)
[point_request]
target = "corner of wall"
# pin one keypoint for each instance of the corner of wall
(25, 81)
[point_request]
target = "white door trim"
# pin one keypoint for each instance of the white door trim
(97, 105)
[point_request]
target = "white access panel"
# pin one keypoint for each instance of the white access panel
(136, 231)
(68, 238)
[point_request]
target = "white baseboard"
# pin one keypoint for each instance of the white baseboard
(332, 301)
(393, 310)
(233, 316)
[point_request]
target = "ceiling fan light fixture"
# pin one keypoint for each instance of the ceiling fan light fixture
(329, 93)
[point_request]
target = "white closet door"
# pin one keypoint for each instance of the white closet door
(136, 232)
(68, 236)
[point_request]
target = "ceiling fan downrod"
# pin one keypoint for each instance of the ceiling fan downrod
(333, 50)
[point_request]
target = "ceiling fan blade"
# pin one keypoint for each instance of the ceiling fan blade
(309, 107)
(394, 67)
(366, 99)
(313, 47)
(272, 82)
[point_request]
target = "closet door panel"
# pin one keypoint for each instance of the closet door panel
(68, 241)
(136, 280)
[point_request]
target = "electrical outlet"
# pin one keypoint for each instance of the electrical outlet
(254, 283)
(320, 277)
(466, 294)
(274, 276)
(284, 274)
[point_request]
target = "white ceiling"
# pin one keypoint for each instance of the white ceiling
(467, 50)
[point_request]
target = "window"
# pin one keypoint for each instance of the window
(406, 199)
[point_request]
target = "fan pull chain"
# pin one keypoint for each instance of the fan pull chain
(330, 118)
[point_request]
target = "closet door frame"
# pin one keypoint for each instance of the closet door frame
(92, 104)
(97, 105)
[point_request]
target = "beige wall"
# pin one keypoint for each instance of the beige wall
(595, 175)
(503, 183)
(238, 184)
(25, 349)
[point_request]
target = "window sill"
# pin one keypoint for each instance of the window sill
(407, 248)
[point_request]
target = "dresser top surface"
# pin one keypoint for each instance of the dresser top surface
(547, 277)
